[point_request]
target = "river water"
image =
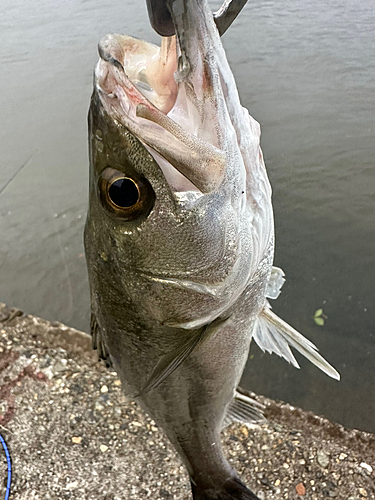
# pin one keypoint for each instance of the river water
(306, 71)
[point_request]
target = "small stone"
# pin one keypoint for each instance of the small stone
(277, 482)
(103, 448)
(362, 492)
(164, 493)
(104, 389)
(76, 439)
(77, 389)
(117, 411)
(90, 417)
(71, 486)
(300, 489)
(117, 382)
(286, 466)
(98, 406)
(342, 456)
(366, 466)
(322, 458)
(59, 366)
(244, 430)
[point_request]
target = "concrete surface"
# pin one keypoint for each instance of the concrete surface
(72, 434)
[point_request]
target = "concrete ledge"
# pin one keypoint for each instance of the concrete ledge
(72, 434)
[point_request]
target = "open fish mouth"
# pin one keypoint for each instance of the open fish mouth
(171, 97)
(138, 88)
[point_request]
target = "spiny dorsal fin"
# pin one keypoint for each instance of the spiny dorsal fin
(272, 334)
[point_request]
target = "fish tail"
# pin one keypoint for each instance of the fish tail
(232, 489)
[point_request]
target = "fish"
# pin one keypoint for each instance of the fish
(179, 240)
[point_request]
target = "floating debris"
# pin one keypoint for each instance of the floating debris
(320, 317)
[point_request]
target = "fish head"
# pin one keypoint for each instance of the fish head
(179, 214)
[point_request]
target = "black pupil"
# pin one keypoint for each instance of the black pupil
(124, 193)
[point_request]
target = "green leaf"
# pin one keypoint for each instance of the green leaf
(319, 320)
(319, 312)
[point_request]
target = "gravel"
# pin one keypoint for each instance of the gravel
(72, 434)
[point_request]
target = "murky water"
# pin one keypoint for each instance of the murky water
(306, 71)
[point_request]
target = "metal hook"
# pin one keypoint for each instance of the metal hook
(160, 17)
(227, 13)
(162, 22)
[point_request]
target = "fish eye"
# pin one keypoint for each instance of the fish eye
(124, 192)
(125, 196)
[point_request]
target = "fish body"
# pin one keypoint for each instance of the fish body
(179, 239)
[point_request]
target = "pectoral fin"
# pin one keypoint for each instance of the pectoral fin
(171, 361)
(272, 334)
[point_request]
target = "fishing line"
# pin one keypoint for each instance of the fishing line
(7, 492)
(15, 175)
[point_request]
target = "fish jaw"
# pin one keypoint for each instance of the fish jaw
(149, 69)
(123, 77)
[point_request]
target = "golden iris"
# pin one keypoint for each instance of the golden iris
(125, 196)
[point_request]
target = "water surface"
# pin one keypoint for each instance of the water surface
(306, 71)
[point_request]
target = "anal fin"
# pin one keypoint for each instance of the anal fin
(272, 334)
